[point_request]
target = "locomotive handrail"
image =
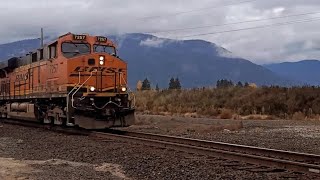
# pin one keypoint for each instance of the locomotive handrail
(75, 85)
(110, 102)
(134, 98)
(72, 99)
(68, 97)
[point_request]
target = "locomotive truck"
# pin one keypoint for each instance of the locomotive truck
(75, 80)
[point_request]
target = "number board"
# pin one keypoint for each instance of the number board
(101, 39)
(79, 37)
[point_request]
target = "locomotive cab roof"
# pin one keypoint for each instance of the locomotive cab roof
(38, 54)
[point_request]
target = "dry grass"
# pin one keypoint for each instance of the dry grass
(258, 117)
(193, 115)
(232, 103)
(298, 116)
(226, 114)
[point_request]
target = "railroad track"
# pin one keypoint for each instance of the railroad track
(286, 160)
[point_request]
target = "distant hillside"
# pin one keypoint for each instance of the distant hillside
(307, 71)
(195, 62)
(17, 48)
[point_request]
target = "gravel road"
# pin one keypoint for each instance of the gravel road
(29, 153)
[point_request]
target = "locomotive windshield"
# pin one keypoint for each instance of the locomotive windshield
(75, 49)
(102, 48)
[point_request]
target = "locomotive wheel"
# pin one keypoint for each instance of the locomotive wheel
(58, 121)
(47, 119)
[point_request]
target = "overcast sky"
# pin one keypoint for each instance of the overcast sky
(23, 19)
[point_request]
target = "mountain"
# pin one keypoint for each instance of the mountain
(306, 71)
(18, 48)
(195, 62)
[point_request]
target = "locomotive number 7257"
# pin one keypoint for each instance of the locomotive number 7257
(53, 68)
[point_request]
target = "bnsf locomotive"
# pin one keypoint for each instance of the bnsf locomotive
(76, 80)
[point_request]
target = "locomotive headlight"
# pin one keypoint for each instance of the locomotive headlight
(123, 89)
(101, 62)
(92, 88)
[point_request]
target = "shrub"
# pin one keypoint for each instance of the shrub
(226, 114)
(298, 116)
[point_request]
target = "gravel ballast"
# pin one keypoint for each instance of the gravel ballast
(300, 136)
(41, 154)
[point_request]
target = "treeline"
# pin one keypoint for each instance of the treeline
(174, 83)
(280, 102)
(224, 83)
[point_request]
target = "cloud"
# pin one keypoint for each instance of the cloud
(152, 42)
(278, 10)
(225, 53)
(22, 19)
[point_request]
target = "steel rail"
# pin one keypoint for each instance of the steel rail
(209, 151)
(60, 129)
(302, 157)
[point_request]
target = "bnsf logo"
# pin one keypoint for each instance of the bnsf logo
(22, 77)
(100, 69)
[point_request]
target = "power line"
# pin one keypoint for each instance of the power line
(184, 12)
(195, 10)
(233, 23)
(250, 28)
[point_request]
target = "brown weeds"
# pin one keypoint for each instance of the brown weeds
(233, 103)
(298, 116)
(226, 114)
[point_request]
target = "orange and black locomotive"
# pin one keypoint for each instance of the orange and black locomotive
(76, 80)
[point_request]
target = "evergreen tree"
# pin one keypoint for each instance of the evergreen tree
(146, 85)
(239, 84)
(157, 88)
(177, 84)
(172, 84)
(246, 84)
(230, 84)
(218, 84)
(224, 83)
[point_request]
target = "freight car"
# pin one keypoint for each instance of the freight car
(76, 80)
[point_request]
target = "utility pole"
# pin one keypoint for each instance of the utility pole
(42, 55)
(41, 37)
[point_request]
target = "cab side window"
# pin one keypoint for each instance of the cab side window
(53, 50)
(34, 57)
(40, 54)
